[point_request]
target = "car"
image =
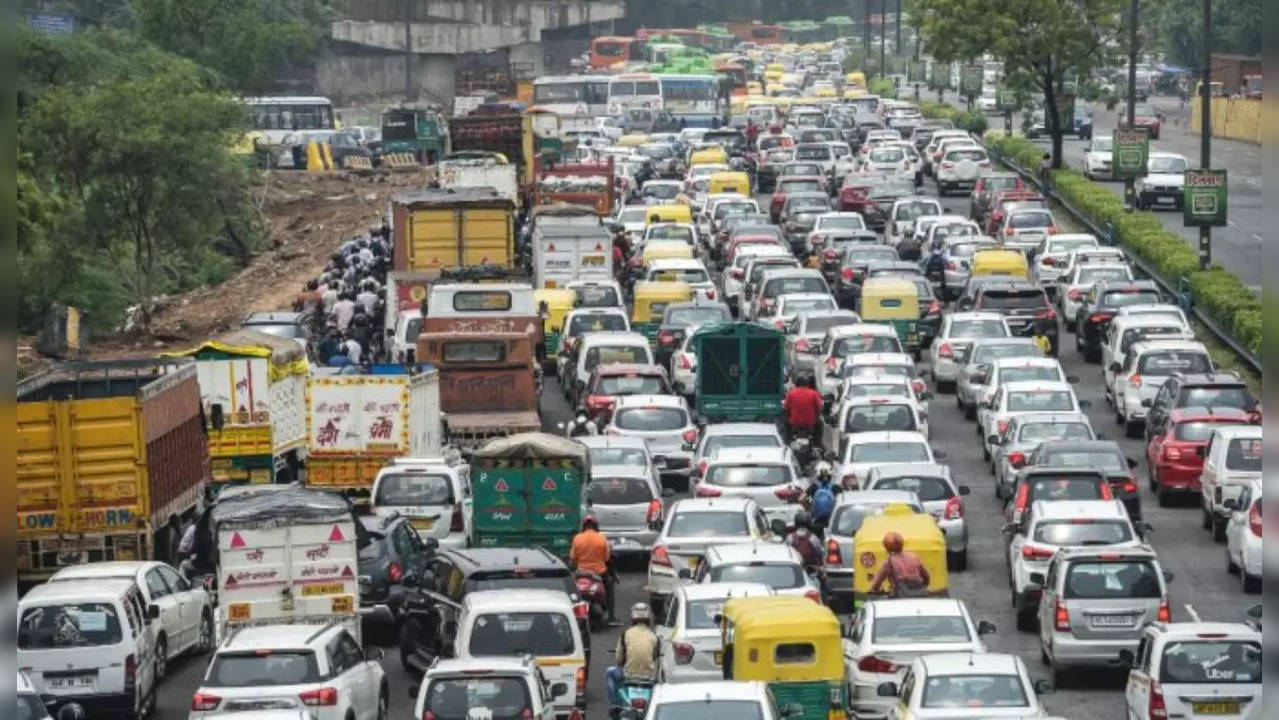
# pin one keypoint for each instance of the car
(186, 611)
(655, 231)
(986, 185)
(789, 305)
(880, 196)
(627, 502)
(1101, 304)
(319, 667)
(1172, 456)
(959, 168)
(578, 323)
(1102, 455)
(1161, 186)
(888, 158)
(718, 437)
(1025, 433)
(1094, 603)
(1129, 329)
(775, 282)
(1194, 669)
(1243, 537)
(853, 264)
(609, 382)
(659, 192)
(776, 565)
(858, 453)
(1025, 228)
(1006, 201)
(958, 330)
(1144, 116)
(1075, 283)
(903, 213)
(600, 348)
(978, 380)
(767, 475)
(957, 685)
(873, 414)
(798, 215)
(394, 549)
(854, 191)
(885, 636)
(754, 271)
(592, 294)
(664, 422)
(792, 184)
(499, 687)
(805, 332)
(430, 492)
(1147, 364)
(941, 496)
(714, 699)
(1022, 397)
(289, 325)
(691, 527)
(1098, 159)
(677, 317)
(1232, 459)
(735, 271)
(844, 341)
(1213, 389)
(1050, 526)
(1049, 257)
(692, 641)
(884, 364)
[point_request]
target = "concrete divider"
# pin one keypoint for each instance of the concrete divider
(396, 161)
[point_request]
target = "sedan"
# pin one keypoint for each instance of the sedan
(768, 476)
(1025, 396)
(852, 507)
(692, 642)
(628, 505)
(976, 384)
(1024, 434)
(965, 685)
(958, 330)
(860, 452)
(664, 422)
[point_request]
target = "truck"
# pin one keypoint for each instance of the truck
(489, 382)
(253, 396)
(281, 554)
(107, 453)
(356, 424)
(740, 372)
(417, 130)
(528, 490)
(501, 132)
(591, 184)
(437, 230)
(567, 251)
(405, 292)
(474, 169)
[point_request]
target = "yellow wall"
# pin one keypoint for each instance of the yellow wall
(1233, 118)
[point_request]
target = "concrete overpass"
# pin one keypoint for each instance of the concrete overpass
(367, 55)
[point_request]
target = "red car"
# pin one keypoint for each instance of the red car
(1144, 116)
(999, 206)
(1173, 455)
(610, 381)
(854, 194)
(790, 184)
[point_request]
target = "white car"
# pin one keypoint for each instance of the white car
(1025, 434)
(1195, 670)
(767, 475)
(1243, 537)
(692, 272)
(486, 687)
(976, 384)
(1136, 379)
(777, 565)
(787, 306)
(186, 611)
(693, 525)
(959, 169)
(903, 214)
(320, 668)
(958, 330)
(885, 637)
(1232, 460)
(874, 414)
(1125, 331)
(1161, 187)
(860, 452)
(684, 365)
(887, 158)
(1050, 256)
(1074, 285)
(603, 347)
(432, 492)
(1019, 398)
(735, 274)
(965, 685)
(690, 634)
(839, 220)
(843, 342)
(664, 422)
(1098, 159)
(719, 699)
(718, 437)
(879, 364)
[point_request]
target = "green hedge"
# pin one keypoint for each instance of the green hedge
(973, 121)
(1219, 293)
(883, 87)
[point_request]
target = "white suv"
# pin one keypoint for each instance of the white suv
(318, 667)
(1193, 670)
(488, 687)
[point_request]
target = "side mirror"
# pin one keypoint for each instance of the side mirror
(1132, 463)
(993, 439)
(668, 492)
(559, 690)
(374, 654)
(409, 579)
(1037, 578)
(778, 526)
(986, 627)
(1146, 403)
(1168, 576)
(1202, 451)
(1115, 366)
(1229, 504)
(414, 689)
(1044, 687)
(1145, 528)
(1072, 379)
(153, 612)
(886, 689)
(684, 574)
(964, 490)
(1085, 404)
(1126, 657)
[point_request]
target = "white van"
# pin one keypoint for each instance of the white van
(432, 492)
(88, 642)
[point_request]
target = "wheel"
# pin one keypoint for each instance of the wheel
(1092, 355)
(1070, 325)
(985, 451)
(1218, 530)
(1132, 428)
(161, 658)
(1119, 415)
(1205, 518)
(1231, 567)
(957, 560)
(655, 605)
(1250, 583)
(1163, 496)
(1060, 676)
(1026, 621)
(205, 644)
(970, 411)
(382, 709)
(1151, 479)
(1043, 655)
(1079, 342)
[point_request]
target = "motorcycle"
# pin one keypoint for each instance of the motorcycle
(591, 588)
(636, 694)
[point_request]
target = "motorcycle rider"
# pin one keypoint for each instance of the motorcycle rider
(592, 553)
(803, 408)
(820, 496)
(636, 655)
(805, 541)
(581, 425)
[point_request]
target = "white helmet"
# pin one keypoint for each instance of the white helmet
(823, 469)
(640, 612)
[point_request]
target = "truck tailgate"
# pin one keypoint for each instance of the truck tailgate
(486, 237)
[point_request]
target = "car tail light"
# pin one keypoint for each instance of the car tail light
(1127, 486)
(130, 672)
(934, 307)
(1046, 315)
(1100, 317)
(766, 303)
(789, 493)
(690, 436)
(1254, 519)
(204, 702)
(1134, 381)
(685, 363)
(683, 653)
(814, 595)
(737, 273)
(639, 703)
(1156, 709)
(319, 697)
(918, 386)
(1050, 261)
(846, 273)
(1035, 552)
(1061, 617)
(954, 508)
(802, 345)
(1172, 452)
(832, 363)
(1105, 493)
(580, 677)
(527, 714)
(833, 555)
(394, 573)
(1002, 426)
(945, 351)
(701, 467)
(654, 511)
(830, 254)
(1023, 494)
(1052, 229)
(660, 556)
(576, 714)
(704, 490)
(873, 664)
(1016, 459)
(780, 324)
(665, 337)
(709, 293)
(952, 265)
(1164, 614)
(581, 609)
(1075, 294)
(1009, 231)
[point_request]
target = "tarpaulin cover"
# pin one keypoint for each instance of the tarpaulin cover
(286, 355)
(563, 209)
(533, 446)
(267, 503)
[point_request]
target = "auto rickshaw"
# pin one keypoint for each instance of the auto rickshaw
(708, 156)
(649, 301)
(665, 250)
(553, 304)
(1000, 261)
(754, 88)
(673, 213)
(795, 646)
(920, 535)
(894, 301)
(633, 140)
(732, 181)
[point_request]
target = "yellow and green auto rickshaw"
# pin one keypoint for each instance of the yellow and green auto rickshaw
(795, 646)
(729, 181)
(920, 535)
(894, 301)
(650, 299)
(553, 304)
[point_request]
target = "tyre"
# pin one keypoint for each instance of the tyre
(1092, 355)
(204, 645)
(1218, 530)
(1231, 567)
(970, 411)
(1250, 583)
(1205, 518)
(655, 605)
(1070, 325)
(1079, 342)
(957, 560)
(1060, 676)
(161, 658)
(1163, 496)
(1132, 428)
(1026, 621)
(1043, 655)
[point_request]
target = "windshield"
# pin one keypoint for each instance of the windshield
(974, 691)
(891, 452)
(1218, 662)
(913, 210)
(709, 710)
(864, 255)
(1165, 165)
(708, 524)
(1235, 396)
(1112, 579)
(793, 285)
(720, 442)
(1107, 460)
(1244, 455)
(1074, 532)
(491, 697)
(1089, 275)
(817, 325)
(595, 322)
(69, 625)
(966, 154)
(929, 489)
(842, 222)
(803, 203)
(650, 419)
(630, 385)
(1065, 245)
(1066, 488)
(539, 634)
(1121, 298)
(1000, 351)
(1040, 401)
(887, 154)
(1040, 432)
(884, 416)
(1168, 362)
(261, 669)
(819, 152)
(619, 491)
(702, 614)
(792, 307)
(1030, 220)
(618, 456)
(892, 187)
(857, 390)
(1013, 300)
(978, 328)
(724, 210)
(688, 275)
(748, 475)
(663, 191)
(775, 575)
(855, 344)
(414, 489)
(791, 186)
(593, 296)
(918, 629)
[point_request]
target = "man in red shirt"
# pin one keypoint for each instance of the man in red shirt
(803, 408)
(902, 570)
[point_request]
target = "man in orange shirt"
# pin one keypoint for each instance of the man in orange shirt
(592, 553)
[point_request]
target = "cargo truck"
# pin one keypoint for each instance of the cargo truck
(591, 184)
(564, 252)
(440, 230)
(500, 130)
(489, 382)
(740, 372)
(356, 424)
(106, 453)
(417, 130)
(528, 490)
(253, 394)
(476, 170)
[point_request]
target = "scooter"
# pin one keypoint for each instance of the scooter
(636, 695)
(591, 588)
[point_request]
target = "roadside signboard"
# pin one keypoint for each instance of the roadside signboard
(1204, 198)
(970, 80)
(1131, 151)
(1005, 98)
(918, 71)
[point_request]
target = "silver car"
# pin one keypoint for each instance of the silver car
(664, 422)
(851, 508)
(620, 450)
(846, 341)
(718, 437)
(1024, 434)
(958, 330)
(769, 476)
(1073, 286)
(974, 382)
(691, 639)
(805, 332)
(628, 505)
(941, 497)
(957, 260)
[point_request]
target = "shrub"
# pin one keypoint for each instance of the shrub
(883, 87)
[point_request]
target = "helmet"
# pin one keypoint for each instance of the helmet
(590, 521)
(893, 541)
(823, 469)
(640, 613)
(803, 519)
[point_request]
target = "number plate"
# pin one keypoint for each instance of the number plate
(719, 657)
(71, 682)
(343, 604)
(423, 523)
(321, 589)
(238, 611)
(1216, 708)
(1114, 620)
(1166, 200)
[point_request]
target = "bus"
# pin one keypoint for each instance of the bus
(611, 50)
(572, 94)
(693, 99)
(733, 74)
(634, 90)
(758, 33)
(278, 124)
(694, 38)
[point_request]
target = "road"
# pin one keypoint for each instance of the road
(1197, 563)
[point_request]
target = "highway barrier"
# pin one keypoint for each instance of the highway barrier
(395, 161)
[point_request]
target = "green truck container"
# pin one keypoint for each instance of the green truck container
(420, 131)
(528, 490)
(740, 372)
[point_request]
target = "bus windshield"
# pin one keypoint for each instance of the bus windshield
(689, 94)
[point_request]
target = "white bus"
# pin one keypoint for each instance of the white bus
(283, 122)
(634, 90)
(695, 99)
(572, 94)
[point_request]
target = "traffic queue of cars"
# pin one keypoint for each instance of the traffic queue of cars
(883, 297)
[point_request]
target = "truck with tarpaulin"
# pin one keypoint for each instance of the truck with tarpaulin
(591, 184)
(416, 130)
(253, 395)
(528, 490)
(106, 453)
(473, 169)
(438, 230)
(740, 372)
(490, 128)
(356, 424)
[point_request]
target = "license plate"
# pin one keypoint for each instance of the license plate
(1114, 620)
(423, 523)
(321, 589)
(71, 682)
(1165, 200)
(238, 611)
(623, 541)
(719, 657)
(343, 604)
(1216, 708)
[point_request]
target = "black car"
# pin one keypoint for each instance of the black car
(882, 194)
(1024, 305)
(966, 296)
(1103, 455)
(678, 317)
(1209, 390)
(1100, 306)
(799, 214)
(343, 145)
(395, 550)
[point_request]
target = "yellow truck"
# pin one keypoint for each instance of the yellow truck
(253, 391)
(441, 230)
(107, 453)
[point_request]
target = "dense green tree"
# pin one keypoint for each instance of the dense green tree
(1175, 28)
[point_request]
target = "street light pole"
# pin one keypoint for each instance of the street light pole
(1205, 127)
(897, 27)
(883, 36)
(410, 93)
(1130, 193)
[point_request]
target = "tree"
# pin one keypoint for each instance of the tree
(1051, 41)
(1176, 27)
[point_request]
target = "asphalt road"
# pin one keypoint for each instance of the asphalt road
(1187, 551)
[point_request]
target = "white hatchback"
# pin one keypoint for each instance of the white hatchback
(690, 634)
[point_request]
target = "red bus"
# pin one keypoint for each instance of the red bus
(610, 50)
(736, 75)
(758, 33)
